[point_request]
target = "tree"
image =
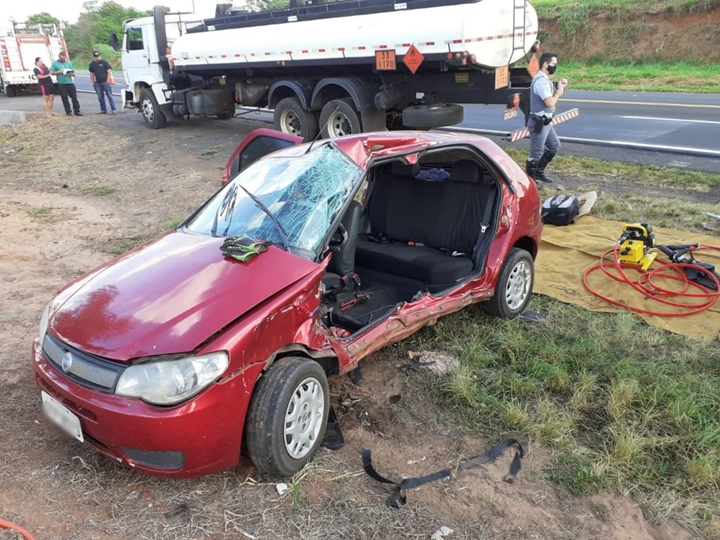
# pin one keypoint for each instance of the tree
(95, 25)
(42, 18)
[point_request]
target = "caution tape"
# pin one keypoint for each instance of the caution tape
(397, 497)
(559, 119)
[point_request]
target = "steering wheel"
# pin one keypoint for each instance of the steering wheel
(339, 237)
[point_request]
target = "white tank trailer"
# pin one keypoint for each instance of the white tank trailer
(338, 67)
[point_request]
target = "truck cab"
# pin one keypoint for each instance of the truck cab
(144, 55)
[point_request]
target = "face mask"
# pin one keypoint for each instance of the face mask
(552, 69)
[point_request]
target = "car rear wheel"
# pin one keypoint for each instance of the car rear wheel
(287, 416)
(153, 116)
(514, 285)
(290, 117)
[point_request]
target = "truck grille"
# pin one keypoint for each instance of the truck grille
(85, 369)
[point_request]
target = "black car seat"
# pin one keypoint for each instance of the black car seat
(342, 264)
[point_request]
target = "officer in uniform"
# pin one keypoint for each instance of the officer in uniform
(544, 142)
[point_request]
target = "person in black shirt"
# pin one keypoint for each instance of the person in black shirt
(47, 86)
(101, 77)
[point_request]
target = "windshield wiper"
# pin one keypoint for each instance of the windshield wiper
(261, 206)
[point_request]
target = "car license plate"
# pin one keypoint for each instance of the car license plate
(61, 416)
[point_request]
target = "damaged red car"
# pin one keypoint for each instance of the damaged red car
(177, 356)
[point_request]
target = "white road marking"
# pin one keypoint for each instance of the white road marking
(671, 119)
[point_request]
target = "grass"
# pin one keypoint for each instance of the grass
(619, 403)
(40, 212)
(643, 76)
(551, 8)
(120, 245)
(643, 175)
(99, 190)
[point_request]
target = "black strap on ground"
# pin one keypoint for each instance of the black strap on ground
(397, 497)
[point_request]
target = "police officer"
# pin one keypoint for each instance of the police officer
(544, 142)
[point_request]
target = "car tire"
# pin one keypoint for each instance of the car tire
(153, 116)
(339, 118)
(514, 286)
(292, 387)
(290, 117)
(432, 116)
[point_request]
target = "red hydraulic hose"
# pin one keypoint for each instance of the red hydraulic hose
(644, 285)
(7, 525)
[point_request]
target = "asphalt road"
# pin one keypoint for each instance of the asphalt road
(675, 130)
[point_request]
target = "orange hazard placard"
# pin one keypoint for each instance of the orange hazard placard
(385, 60)
(502, 77)
(413, 58)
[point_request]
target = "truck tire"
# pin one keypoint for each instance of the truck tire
(432, 116)
(339, 117)
(514, 286)
(11, 91)
(153, 116)
(290, 117)
(287, 416)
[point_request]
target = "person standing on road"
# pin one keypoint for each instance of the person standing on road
(544, 142)
(65, 75)
(42, 72)
(101, 77)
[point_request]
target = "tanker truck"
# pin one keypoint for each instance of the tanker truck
(333, 68)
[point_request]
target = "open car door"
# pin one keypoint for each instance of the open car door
(257, 144)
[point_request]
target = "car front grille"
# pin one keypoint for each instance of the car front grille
(85, 369)
(169, 460)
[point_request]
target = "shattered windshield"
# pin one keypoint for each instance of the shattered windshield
(304, 194)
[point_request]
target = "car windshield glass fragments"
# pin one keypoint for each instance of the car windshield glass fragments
(303, 193)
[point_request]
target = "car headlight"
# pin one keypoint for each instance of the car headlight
(171, 381)
(44, 324)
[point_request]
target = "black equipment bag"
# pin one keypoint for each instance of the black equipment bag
(560, 210)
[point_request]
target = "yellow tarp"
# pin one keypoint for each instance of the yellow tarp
(567, 252)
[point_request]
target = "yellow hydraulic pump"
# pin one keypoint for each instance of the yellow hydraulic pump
(636, 240)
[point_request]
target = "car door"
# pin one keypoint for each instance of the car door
(258, 143)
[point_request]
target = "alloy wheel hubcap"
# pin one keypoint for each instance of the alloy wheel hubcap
(518, 285)
(303, 418)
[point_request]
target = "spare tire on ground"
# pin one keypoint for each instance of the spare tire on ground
(432, 116)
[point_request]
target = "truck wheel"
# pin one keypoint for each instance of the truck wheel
(11, 91)
(153, 116)
(339, 117)
(290, 117)
(225, 116)
(287, 416)
(514, 286)
(432, 116)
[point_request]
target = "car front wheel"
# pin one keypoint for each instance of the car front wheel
(514, 285)
(287, 416)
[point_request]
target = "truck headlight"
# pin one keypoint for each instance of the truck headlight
(171, 381)
(44, 324)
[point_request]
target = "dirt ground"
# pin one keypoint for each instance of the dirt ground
(77, 191)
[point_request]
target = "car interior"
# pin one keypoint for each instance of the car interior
(423, 228)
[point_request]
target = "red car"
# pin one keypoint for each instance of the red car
(174, 358)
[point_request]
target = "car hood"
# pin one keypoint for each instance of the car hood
(168, 296)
